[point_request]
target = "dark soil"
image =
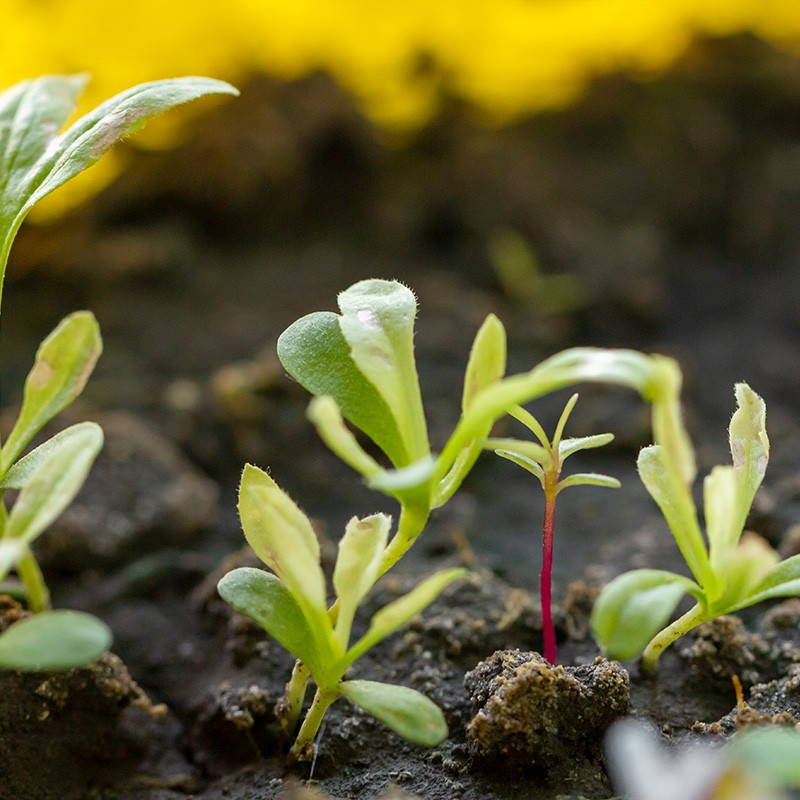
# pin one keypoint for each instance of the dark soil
(673, 202)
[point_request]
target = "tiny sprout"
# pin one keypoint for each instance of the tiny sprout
(290, 604)
(735, 570)
(35, 159)
(546, 461)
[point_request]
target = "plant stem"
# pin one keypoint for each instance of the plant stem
(302, 749)
(291, 705)
(35, 587)
(662, 640)
(546, 578)
(410, 525)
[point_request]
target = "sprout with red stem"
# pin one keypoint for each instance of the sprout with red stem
(546, 460)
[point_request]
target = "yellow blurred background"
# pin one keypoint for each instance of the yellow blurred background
(506, 57)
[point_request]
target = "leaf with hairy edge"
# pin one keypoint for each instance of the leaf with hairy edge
(64, 361)
(526, 463)
(400, 611)
(406, 711)
(315, 353)
(358, 566)
(634, 607)
(282, 537)
(52, 487)
(262, 597)
(21, 472)
(53, 640)
(378, 323)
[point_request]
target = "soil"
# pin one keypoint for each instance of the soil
(672, 201)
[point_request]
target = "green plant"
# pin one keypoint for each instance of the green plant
(734, 571)
(360, 366)
(545, 461)
(35, 159)
(291, 606)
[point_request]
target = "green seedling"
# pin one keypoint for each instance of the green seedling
(734, 571)
(291, 605)
(360, 366)
(35, 159)
(546, 460)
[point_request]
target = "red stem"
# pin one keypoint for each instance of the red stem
(548, 527)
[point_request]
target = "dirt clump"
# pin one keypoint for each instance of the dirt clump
(531, 714)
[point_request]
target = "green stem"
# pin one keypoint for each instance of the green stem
(291, 705)
(410, 525)
(35, 587)
(661, 641)
(303, 749)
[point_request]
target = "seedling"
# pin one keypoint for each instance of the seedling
(734, 571)
(360, 366)
(545, 461)
(291, 606)
(34, 161)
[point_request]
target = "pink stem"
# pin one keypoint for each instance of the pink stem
(547, 570)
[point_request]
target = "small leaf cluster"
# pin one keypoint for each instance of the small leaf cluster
(735, 570)
(360, 366)
(35, 159)
(291, 605)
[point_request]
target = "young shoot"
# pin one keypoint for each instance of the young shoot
(735, 570)
(360, 367)
(291, 605)
(546, 461)
(35, 159)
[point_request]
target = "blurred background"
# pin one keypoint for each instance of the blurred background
(599, 172)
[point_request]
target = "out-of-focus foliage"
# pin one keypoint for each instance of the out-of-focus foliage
(505, 56)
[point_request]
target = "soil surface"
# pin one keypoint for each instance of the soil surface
(672, 203)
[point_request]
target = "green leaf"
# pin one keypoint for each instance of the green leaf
(20, 474)
(400, 611)
(324, 413)
(51, 488)
(282, 537)
(526, 463)
(722, 523)
(407, 712)
(358, 567)
(53, 640)
(677, 506)
(746, 565)
(634, 607)
(64, 361)
(783, 580)
(624, 367)
(262, 597)
(487, 359)
(524, 449)
(589, 479)
(38, 162)
(569, 446)
(378, 323)
(314, 352)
